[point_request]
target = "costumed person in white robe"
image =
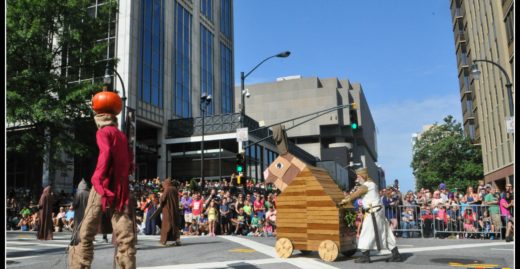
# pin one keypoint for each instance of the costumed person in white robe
(375, 231)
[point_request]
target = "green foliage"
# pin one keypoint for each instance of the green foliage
(350, 218)
(41, 36)
(443, 154)
(194, 186)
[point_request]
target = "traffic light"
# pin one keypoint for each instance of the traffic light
(354, 124)
(239, 163)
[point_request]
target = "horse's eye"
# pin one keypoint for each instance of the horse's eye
(279, 165)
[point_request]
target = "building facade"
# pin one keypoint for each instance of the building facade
(328, 137)
(483, 30)
(168, 54)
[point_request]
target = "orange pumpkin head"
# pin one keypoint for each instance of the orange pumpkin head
(107, 102)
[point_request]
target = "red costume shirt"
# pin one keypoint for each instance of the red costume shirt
(110, 180)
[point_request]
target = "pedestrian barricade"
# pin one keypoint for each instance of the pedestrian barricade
(466, 221)
(405, 220)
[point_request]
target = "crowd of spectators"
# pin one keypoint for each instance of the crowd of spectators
(22, 210)
(211, 207)
(485, 213)
(220, 207)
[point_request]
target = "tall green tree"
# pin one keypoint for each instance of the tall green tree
(48, 42)
(444, 154)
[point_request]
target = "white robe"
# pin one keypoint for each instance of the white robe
(367, 239)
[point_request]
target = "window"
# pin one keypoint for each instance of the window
(226, 85)
(206, 8)
(510, 27)
(151, 67)
(182, 68)
(225, 18)
(206, 65)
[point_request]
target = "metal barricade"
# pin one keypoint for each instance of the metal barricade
(407, 220)
(466, 221)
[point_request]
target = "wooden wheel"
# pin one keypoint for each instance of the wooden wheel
(328, 251)
(284, 248)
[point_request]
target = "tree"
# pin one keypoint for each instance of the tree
(46, 42)
(443, 154)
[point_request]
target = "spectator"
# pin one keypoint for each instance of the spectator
(59, 220)
(248, 209)
(486, 225)
(270, 217)
(212, 214)
(443, 193)
(241, 223)
(69, 218)
(151, 206)
(407, 221)
(427, 219)
(471, 198)
(197, 206)
(224, 216)
(506, 207)
(492, 200)
(469, 222)
(258, 205)
(194, 228)
(24, 224)
(186, 201)
(440, 220)
(510, 228)
(390, 203)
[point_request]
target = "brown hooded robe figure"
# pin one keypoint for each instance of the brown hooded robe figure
(169, 203)
(79, 204)
(46, 227)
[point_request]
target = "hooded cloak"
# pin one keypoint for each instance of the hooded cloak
(79, 204)
(170, 212)
(46, 227)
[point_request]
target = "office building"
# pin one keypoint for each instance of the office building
(483, 30)
(329, 137)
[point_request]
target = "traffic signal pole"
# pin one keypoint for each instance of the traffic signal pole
(317, 114)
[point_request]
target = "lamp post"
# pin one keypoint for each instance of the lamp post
(476, 75)
(107, 80)
(205, 100)
(243, 94)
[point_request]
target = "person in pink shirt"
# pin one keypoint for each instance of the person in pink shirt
(197, 206)
(258, 206)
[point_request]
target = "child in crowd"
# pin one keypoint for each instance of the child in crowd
(194, 228)
(486, 225)
(212, 217)
(469, 219)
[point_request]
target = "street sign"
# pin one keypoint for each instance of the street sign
(510, 125)
(242, 134)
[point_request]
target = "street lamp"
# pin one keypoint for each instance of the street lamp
(243, 94)
(476, 75)
(107, 80)
(205, 100)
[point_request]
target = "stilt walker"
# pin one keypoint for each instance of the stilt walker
(375, 231)
(110, 188)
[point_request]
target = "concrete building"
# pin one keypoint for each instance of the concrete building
(169, 53)
(329, 137)
(483, 30)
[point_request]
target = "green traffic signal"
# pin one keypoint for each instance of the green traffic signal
(353, 126)
(239, 168)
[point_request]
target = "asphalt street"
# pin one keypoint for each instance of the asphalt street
(24, 251)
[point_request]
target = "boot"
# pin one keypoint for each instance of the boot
(396, 256)
(365, 258)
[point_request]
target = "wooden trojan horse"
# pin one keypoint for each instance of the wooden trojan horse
(308, 216)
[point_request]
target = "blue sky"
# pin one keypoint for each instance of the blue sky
(402, 52)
